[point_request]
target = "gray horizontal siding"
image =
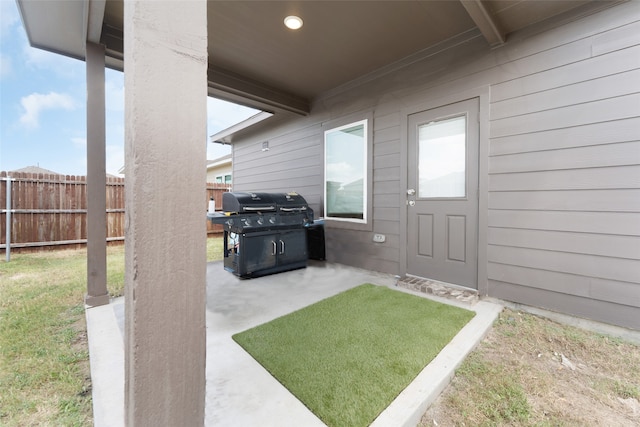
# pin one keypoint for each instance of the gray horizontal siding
(614, 313)
(613, 223)
(570, 200)
(300, 156)
(387, 147)
(578, 285)
(387, 227)
(598, 133)
(611, 268)
(564, 182)
(563, 185)
(292, 163)
(615, 246)
(592, 90)
(586, 69)
(577, 179)
(291, 177)
(618, 108)
(594, 156)
(357, 246)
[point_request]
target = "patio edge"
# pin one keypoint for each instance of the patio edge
(407, 409)
(106, 359)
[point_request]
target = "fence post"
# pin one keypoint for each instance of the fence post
(8, 218)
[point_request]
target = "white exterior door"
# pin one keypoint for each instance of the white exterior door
(442, 193)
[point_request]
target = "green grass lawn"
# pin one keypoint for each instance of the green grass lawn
(347, 357)
(44, 359)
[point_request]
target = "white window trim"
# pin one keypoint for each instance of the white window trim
(365, 224)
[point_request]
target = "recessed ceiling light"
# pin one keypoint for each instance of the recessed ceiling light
(293, 22)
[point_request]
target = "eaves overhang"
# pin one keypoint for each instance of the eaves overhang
(253, 60)
(226, 136)
(62, 27)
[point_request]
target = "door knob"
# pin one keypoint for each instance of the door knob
(411, 192)
(412, 202)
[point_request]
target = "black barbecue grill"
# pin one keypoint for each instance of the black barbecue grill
(264, 233)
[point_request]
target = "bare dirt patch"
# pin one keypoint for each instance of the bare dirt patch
(534, 371)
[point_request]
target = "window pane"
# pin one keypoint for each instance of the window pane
(345, 171)
(227, 179)
(442, 158)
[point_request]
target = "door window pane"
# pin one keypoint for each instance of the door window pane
(345, 171)
(442, 158)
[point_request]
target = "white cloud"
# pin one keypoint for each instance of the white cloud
(8, 16)
(5, 65)
(37, 102)
(342, 172)
(215, 151)
(114, 93)
(222, 114)
(47, 61)
(80, 143)
(114, 158)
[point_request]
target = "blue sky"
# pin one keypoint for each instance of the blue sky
(43, 113)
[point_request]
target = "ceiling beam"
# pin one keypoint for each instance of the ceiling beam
(233, 87)
(113, 40)
(94, 16)
(222, 84)
(488, 26)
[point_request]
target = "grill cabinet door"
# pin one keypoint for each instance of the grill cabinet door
(292, 246)
(260, 252)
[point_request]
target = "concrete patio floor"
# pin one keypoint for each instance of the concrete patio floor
(239, 391)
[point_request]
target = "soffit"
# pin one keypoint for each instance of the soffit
(256, 61)
(339, 41)
(55, 26)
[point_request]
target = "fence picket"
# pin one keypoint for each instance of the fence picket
(51, 210)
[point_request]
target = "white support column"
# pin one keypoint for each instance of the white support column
(96, 179)
(165, 50)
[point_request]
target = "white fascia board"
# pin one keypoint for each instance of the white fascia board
(218, 164)
(225, 136)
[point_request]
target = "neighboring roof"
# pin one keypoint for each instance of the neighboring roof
(255, 61)
(220, 161)
(35, 169)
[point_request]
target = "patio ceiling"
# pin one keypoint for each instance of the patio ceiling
(256, 61)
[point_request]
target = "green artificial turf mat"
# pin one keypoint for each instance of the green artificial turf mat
(347, 357)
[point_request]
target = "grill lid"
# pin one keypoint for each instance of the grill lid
(260, 211)
(238, 202)
(290, 202)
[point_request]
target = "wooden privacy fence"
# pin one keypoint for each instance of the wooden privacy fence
(48, 210)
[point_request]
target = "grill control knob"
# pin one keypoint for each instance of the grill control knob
(260, 221)
(272, 220)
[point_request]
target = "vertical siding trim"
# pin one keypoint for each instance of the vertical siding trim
(484, 116)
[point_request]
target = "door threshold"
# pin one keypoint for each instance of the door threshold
(440, 289)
